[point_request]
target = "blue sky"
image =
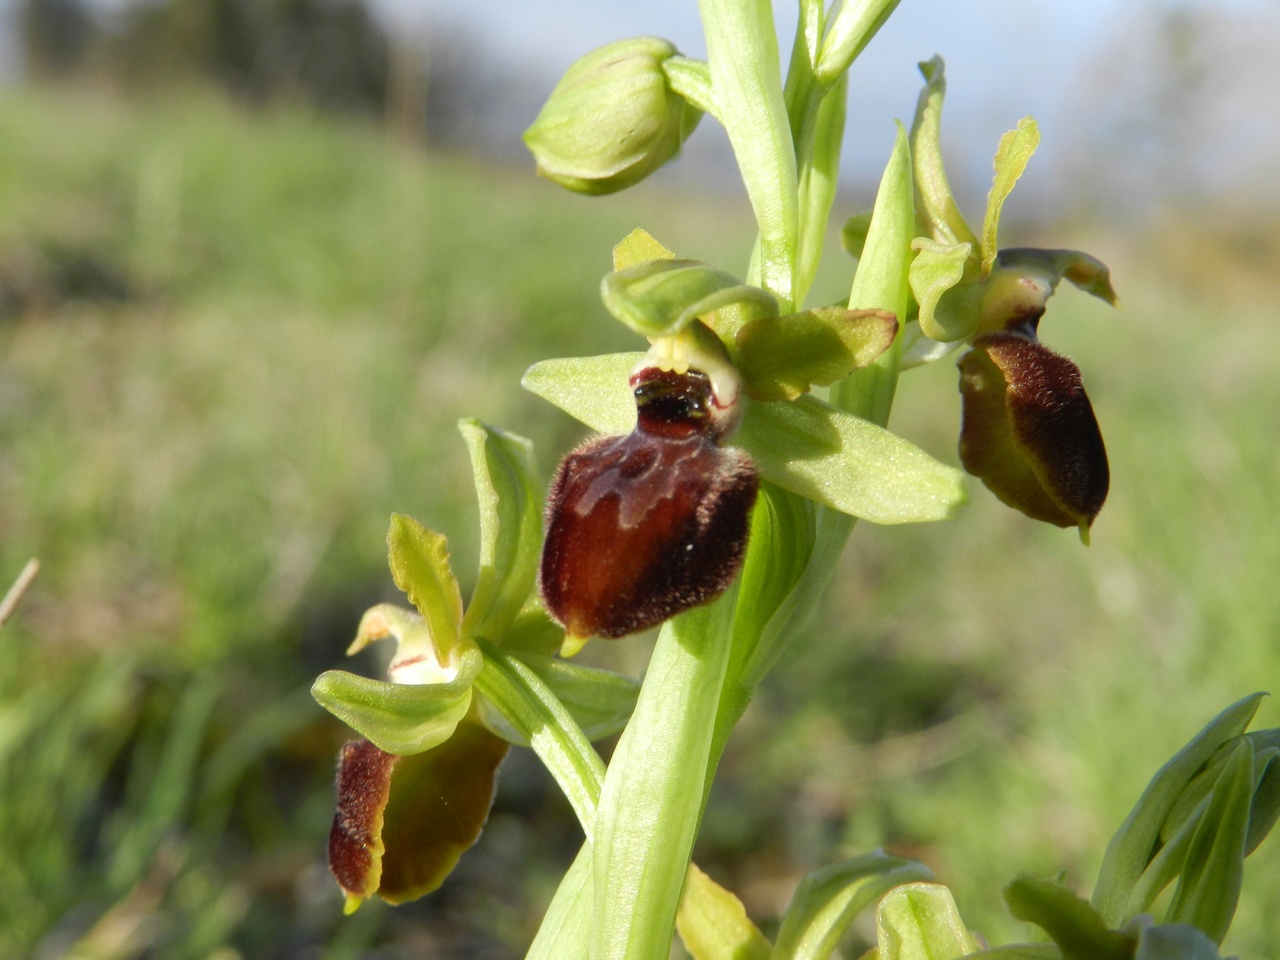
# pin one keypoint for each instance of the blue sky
(1079, 67)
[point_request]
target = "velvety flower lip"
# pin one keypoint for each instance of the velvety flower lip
(643, 527)
(1029, 432)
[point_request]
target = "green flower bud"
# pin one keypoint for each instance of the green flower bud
(612, 119)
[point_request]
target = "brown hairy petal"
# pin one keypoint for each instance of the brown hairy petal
(1029, 431)
(641, 528)
(355, 841)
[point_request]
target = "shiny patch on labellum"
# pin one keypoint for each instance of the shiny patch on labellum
(1029, 432)
(643, 527)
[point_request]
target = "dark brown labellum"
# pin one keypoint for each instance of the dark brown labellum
(1029, 431)
(643, 527)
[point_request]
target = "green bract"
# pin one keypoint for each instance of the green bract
(612, 120)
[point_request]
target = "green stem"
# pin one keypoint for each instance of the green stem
(742, 54)
(648, 815)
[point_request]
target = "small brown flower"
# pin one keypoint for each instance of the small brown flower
(1029, 431)
(645, 526)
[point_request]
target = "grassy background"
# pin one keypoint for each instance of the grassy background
(232, 344)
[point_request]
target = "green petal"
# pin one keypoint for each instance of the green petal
(661, 297)
(419, 560)
(1015, 150)
(781, 357)
(400, 718)
(919, 921)
(805, 446)
(830, 898)
(938, 269)
(510, 527)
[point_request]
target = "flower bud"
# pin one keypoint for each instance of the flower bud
(612, 119)
(643, 527)
(1029, 433)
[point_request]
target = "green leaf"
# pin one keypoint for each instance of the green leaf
(510, 527)
(828, 899)
(919, 921)
(662, 297)
(1175, 941)
(1266, 794)
(938, 270)
(806, 446)
(781, 357)
(1018, 951)
(935, 202)
(714, 925)
(1077, 929)
(1015, 150)
(399, 718)
(1213, 871)
(1133, 845)
(420, 567)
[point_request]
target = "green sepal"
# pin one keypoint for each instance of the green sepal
(829, 898)
(419, 560)
(781, 357)
(1132, 846)
(1213, 871)
(638, 247)
(934, 201)
(660, 298)
(1175, 941)
(400, 718)
(950, 309)
(806, 446)
(600, 701)
(1076, 927)
(920, 921)
(510, 500)
(713, 924)
(1013, 153)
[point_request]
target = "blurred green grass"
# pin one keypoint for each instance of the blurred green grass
(232, 343)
